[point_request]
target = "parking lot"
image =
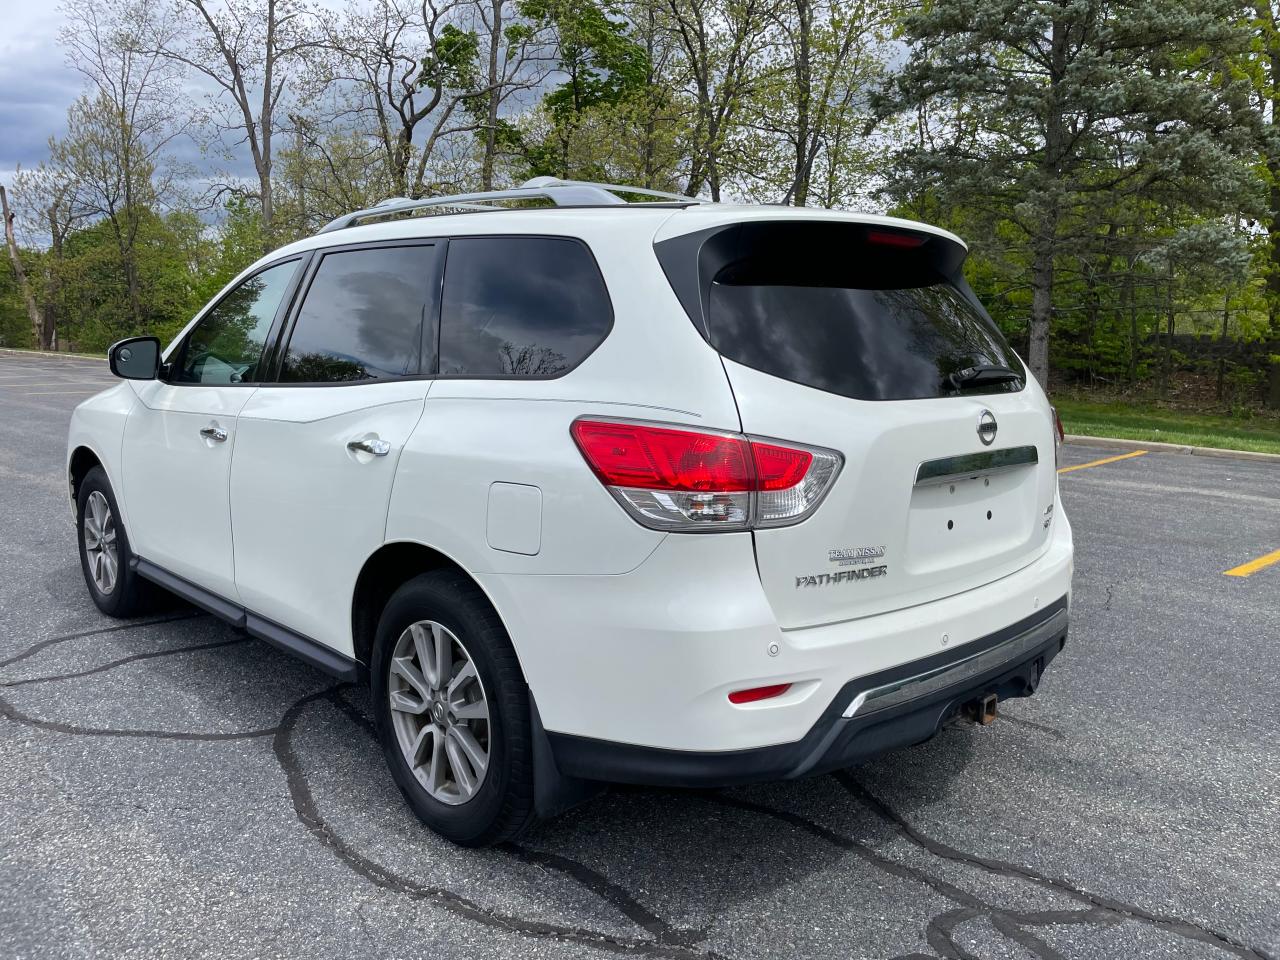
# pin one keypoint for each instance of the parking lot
(172, 788)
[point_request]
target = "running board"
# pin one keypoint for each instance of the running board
(303, 648)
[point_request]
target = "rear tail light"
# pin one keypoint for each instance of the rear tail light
(1059, 437)
(671, 478)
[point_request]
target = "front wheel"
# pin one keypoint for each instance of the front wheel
(452, 711)
(116, 589)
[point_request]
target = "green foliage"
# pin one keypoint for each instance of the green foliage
(15, 326)
(94, 299)
(1074, 138)
(454, 63)
(586, 124)
(237, 245)
(1111, 165)
(1143, 421)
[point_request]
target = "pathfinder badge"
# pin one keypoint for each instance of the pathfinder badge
(844, 576)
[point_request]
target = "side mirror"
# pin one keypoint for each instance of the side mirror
(137, 358)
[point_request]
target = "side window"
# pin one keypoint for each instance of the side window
(226, 345)
(363, 316)
(520, 306)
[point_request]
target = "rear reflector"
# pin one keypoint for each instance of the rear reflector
(759, 693)
(672, 478)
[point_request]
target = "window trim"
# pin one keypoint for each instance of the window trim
(290, 321)
(608, 295)
(177, 355)
(315, 255)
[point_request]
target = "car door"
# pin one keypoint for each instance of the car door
(316, 450)
(178, 441)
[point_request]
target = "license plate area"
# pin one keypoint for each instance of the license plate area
(962, 521)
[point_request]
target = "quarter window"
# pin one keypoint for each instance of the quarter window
(225, 347)
(520, 307)
(363, 316)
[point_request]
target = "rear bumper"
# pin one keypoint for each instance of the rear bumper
(648, 658)
(869, 716)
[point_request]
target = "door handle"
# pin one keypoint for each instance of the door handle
(217, 434)
(379, 448)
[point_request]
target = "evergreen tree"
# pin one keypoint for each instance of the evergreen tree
(1029, 102)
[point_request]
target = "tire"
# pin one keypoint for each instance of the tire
(443, 609)
(124, 594)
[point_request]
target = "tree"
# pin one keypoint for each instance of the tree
(514, 53)
(118, 135)
(1033, 98)
(802, 136)
(1263, 67)
(723, 45)
(19, 271)
(249, 49)
(54, 195)
(603, 68)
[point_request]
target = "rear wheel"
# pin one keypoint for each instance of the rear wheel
(116, 589)
(452, 711)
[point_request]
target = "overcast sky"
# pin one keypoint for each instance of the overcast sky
(36, 85)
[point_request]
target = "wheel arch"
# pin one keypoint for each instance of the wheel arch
(83, 459)
(387, 569)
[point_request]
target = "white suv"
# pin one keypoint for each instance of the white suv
(659, 492)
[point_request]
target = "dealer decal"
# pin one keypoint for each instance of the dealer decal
(853, 556)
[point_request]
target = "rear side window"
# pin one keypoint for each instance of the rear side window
(520, 307)
(363, 316)
(858, 311)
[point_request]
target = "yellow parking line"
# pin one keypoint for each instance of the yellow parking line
(1098, 463)
(1253, 566)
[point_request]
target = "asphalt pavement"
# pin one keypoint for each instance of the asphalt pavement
(172, 788)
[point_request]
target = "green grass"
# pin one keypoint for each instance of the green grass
(53, 353)
(1145, 421)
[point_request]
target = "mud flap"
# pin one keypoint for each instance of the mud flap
(553, 792)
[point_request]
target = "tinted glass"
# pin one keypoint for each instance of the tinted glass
(520, 306)
(869, 344)
(226, 345)
(363, 316)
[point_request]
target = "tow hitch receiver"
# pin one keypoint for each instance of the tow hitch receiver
(983, 710)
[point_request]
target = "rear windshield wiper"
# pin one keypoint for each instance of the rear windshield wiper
(982, 376)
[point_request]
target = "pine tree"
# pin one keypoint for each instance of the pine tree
(1028, 103)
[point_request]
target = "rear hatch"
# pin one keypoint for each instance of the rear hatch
(864, 338)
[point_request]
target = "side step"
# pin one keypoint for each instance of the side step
(304, 648)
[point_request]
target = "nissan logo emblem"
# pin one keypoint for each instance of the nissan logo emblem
(987, 428)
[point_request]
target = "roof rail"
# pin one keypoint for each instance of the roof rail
(562, 193)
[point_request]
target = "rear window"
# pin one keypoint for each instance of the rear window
(856, 311)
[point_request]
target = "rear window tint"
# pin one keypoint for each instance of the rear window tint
(520, 307)
(863, 311)
(899, 344)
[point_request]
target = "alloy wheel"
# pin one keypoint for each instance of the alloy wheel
(439, 712)
(100, 542)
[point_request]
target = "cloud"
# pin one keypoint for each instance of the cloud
(38, 85)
